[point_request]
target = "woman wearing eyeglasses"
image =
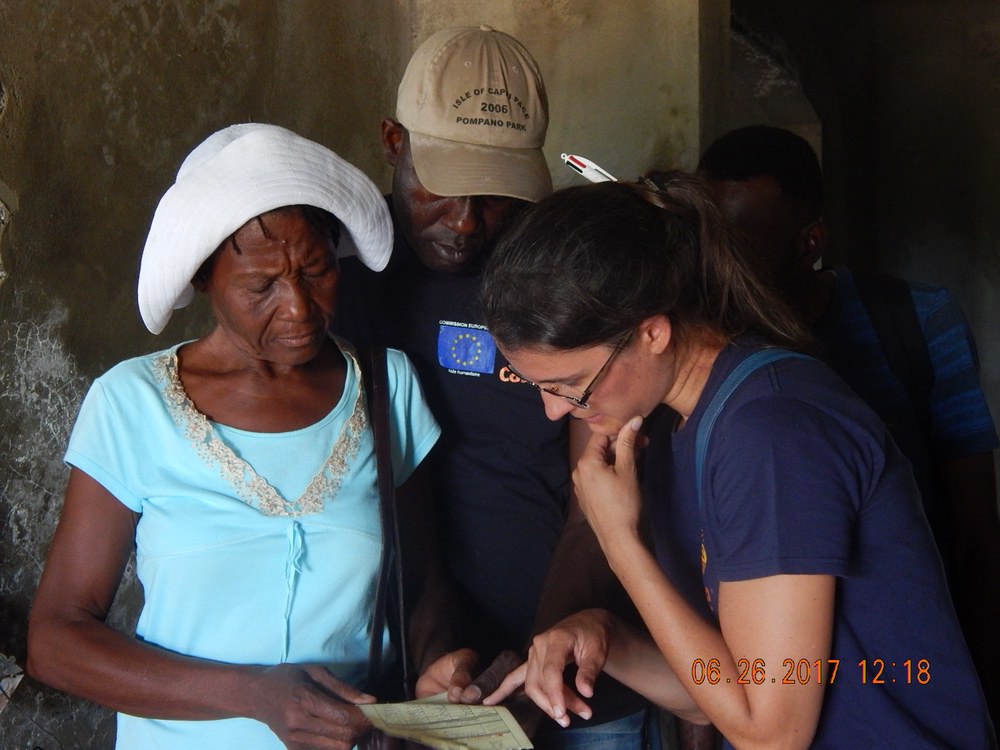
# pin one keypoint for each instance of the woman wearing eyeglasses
(792, 593)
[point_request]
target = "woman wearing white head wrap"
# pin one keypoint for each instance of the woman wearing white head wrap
(240, 466)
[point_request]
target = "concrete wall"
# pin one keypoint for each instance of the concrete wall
(101, 99)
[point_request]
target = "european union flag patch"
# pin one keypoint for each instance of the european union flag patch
(466, 349)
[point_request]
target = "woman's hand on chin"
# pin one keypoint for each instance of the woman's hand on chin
(607, 485)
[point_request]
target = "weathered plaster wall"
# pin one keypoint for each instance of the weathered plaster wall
(908, 97)
(99, 102)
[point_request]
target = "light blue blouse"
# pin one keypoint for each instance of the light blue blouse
(252, 548)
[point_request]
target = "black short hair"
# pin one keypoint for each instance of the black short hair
(767, 151)
(319, 220)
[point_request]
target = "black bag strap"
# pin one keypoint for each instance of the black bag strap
(890, 307)
(376, 386)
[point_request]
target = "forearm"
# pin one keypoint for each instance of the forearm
(748, 715)
(635, 660)
(678, 635)
(578, 576)
(83, 656)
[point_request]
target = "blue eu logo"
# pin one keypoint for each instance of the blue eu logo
(466, 349)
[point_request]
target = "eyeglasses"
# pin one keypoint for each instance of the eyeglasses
(581, 400)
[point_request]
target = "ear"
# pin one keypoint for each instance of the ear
(393, 141)
(655, 333)
(812, 243)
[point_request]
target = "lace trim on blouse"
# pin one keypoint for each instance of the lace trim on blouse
(251, 488)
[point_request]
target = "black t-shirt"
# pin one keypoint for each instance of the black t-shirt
(500, 471)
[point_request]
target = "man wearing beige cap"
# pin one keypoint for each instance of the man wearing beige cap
(465, 145)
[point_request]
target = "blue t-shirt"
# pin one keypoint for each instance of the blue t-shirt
(801, 477)
(955, 420)
(252, 548)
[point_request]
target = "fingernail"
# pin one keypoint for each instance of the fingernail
(636, 423)
(472, 693)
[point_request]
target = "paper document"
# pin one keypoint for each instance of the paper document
(449, 726)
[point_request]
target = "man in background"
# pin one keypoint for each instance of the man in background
(465, 147)
(905, 348)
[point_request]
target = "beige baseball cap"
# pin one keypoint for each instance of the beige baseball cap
(474, 104)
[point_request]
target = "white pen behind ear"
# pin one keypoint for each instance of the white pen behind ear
(587, 168)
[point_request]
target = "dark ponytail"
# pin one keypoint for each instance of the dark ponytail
(587, 264)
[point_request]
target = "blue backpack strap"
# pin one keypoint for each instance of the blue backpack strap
(754, 362)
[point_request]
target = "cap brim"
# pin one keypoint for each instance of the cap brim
(450, 168)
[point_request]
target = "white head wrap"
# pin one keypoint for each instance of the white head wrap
(239, 173)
